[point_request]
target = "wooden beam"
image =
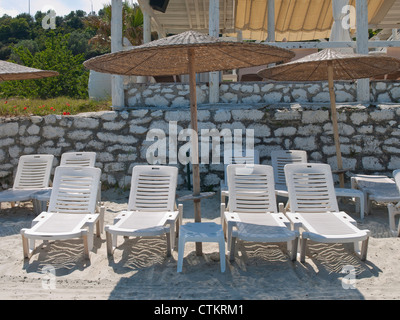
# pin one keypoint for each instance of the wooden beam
(339, 44)
(188, 14)
(197, 10)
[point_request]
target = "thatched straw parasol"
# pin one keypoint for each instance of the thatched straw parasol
(12, 71)
(188, 53)
(329, 65)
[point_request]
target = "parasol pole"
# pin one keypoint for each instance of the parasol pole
(195, 142)
(335, 124)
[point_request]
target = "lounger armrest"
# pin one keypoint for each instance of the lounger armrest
(173, 216)
(346, 218)
(120, 216)
(294, 219)
(180, 210)
(281, 217)
(92, 219)
(38, 218)
(231, 219)
(222, 212)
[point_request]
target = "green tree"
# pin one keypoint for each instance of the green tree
(72, 80)
(132, 25)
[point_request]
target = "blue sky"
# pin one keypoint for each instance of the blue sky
(62, 7)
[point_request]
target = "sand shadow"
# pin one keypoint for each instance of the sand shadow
(258, 272)
(65, 256)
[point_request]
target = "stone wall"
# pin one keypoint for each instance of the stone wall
(370, 136)
(177, 95)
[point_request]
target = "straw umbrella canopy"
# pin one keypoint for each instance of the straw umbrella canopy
(188, 53)
(329, 65)
(12, 71)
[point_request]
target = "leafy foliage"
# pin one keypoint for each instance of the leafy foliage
(77, 37)
(57, 56)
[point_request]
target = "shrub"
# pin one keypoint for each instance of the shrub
(71, 82)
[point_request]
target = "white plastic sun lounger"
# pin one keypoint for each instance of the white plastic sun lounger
(68, 159)
(33, 175)
(377, 188)
(151, 209)
(313, 204)
(252, 211)
(394, 209)
(71, 212)
(245, 158)
(280, 158)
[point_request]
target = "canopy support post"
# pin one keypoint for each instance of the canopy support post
(213, 30)
(195, 143)
(363, 91)
(117, 82)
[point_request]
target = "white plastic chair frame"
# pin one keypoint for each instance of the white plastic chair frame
(78, 159)
(32, 175)
(313, 205)
(152, 209)
(69, 159)
(394, 209)
(378, 188)
(245, 158)
(252, 210)
(71, 213)
(280, 158)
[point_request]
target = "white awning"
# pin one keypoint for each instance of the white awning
(295, 20)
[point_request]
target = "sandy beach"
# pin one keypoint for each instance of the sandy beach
(141, 270)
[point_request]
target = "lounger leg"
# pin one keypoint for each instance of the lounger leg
(90, 237)
(292, 249)
(101, 221)
(171, 235)
(109, 243)
(168, 234)
(368, 204)
(364, 249)
(356, 247)
(222, 254)
(181, 250)
(85, 244)
(222, 210)
(392, 212)
(179, 220)
(25, 247)
(232, 248)
(303, 242)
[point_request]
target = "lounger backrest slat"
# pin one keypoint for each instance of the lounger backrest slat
(153, 188)
(311, 188)
(280, 158)
(396, 177)
(33, 172)
(246, 157)
(78, 159)
(251, 188)
(75, 190)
